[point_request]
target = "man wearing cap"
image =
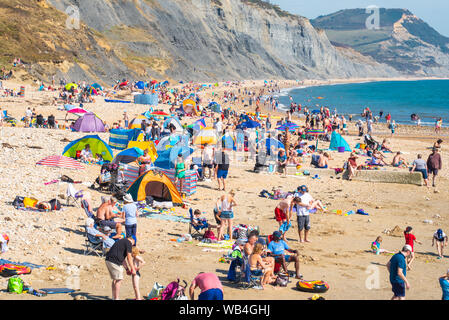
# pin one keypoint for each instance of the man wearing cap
(397, 266)
(277, 247)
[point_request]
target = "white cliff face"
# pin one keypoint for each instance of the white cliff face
(217, 40)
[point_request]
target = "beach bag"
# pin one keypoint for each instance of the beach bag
(209, 234)
(173, 291)
(15, 285)
(156, 291)
(55, 204)
(282, 280)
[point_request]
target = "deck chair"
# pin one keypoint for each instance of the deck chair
(195, 231)
(248, 280)
(85, 206)
(73, 195)
(93, 245)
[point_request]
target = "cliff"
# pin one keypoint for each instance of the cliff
(201, 40)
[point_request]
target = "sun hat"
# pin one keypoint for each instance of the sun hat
(128, 198)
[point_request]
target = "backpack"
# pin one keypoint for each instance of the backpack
(174, 291)
(439, 235)
(55, 204)
(282, 280)
(15, 285)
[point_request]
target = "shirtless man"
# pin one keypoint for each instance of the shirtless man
(399, 161)
(109, 219)
(323, 162)
(280, 212)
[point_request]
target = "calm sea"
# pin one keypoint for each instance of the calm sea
(429, 99)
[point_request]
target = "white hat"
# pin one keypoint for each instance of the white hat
(407, 247)
(128, 198)
(89, 222)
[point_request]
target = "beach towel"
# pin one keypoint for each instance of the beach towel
(26, 264)
(57, 290)
(225, 244)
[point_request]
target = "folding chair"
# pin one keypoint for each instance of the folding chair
(73, 195)
(194, 230)
(93, 245)
(249, 280)
(85, 206)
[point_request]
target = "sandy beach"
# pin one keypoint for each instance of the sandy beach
(338, 254)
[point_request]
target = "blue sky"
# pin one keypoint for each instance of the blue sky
(434, 12)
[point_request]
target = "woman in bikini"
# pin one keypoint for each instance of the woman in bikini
(144, 161)
(259, 267)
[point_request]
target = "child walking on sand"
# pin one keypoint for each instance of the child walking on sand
(410, 239)
(138, 263)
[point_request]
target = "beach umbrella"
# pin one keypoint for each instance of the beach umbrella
(153, 82)
(316, 133)
(141, 85)
(159, 113)
(77, 110)
(60, 162)
(250, 124)
(273, 143)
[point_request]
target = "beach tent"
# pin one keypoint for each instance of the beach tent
(338, 141)
(60, 162)
(172, 140)
(141, 85)
(189, 107)
(128, 155)
(96, 146)
(136, 123)
(155, 184)
(215, 107)
(97, 86)
(272, 144)
(145, 145)
(166, 159)
(119, 138)
(174, 121)
(89, 123)
(206, 135)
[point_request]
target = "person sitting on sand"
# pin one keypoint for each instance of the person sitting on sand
(375, 246)
(441, 240)
(323, 161)
(352, 165)
(86, 154)
(377, 159)
(259, 267)
(399, 161)
(282, 162)
(384, 147)
(277, 248)
(109, 219)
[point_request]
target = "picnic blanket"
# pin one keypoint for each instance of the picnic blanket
(224, 244)
(168, 215)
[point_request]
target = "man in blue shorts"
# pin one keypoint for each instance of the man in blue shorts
(397, 266)
(277, 248)
(221, 168)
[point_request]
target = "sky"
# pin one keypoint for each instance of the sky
(434, 12)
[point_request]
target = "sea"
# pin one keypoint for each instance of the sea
(429, 99)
